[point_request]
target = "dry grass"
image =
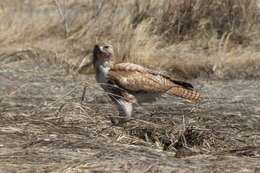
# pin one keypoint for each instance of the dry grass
(44, 128)
(190, 37)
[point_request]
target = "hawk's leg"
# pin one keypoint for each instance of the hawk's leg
(125, 109)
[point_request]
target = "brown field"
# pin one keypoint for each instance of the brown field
(193, 38)
(213, 44)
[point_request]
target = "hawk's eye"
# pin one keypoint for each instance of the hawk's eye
(106, 47)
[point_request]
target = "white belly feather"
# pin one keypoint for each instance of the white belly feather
(101, 75)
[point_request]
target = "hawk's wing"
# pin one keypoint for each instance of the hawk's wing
(133, 77)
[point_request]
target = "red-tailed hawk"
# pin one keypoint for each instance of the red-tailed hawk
(127, 83)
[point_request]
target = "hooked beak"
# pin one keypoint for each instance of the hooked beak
(108, 56)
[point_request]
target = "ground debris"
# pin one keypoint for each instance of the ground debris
(44, 128)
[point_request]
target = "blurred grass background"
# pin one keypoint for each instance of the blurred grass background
(191, 38)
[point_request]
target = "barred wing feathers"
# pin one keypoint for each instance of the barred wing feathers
(135, 78)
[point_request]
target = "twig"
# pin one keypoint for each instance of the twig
(62, 97)
(15, 91)
(83, 95)
(64, 17)
(184, 129)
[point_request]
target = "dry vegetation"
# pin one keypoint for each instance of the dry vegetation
(44, 128)
(190, 37)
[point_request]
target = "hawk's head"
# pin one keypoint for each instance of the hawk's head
(102, 56)
(103, 52)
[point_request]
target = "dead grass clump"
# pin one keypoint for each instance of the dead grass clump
(189, 138)
(188, 18)
(183, 140)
